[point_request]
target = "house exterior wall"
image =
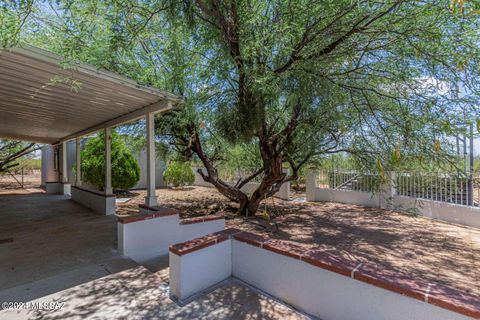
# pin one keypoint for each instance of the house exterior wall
(160, 167)
(48, 172)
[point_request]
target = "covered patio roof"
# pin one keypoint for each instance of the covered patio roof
(42, 102)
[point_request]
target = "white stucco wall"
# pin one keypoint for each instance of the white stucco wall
(192, 273)
(315, 291)
(95, 201)
(146, 239)
(48, 173)
(465, 215)
(326, 294)
(351, 197)
(160, 167)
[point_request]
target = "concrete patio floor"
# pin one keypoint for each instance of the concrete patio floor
(137, 293)
(43, 235)
(54, 250)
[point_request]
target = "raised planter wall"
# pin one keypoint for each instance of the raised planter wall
(95, 200)
(149, 235)
(319, 284)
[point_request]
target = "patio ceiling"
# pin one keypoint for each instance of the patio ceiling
(42, 102)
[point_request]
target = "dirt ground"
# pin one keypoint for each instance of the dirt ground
(423, 248)
(11, 183)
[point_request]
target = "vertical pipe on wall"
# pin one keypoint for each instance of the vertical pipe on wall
(108, 161)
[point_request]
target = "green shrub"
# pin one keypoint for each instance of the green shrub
(125, 168)
(179, 174)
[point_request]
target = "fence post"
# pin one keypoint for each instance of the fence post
(387, 191)
(284, 191)
(311, 184)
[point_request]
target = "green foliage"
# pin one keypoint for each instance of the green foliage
(125, 168)
(179, 174)
(14, 153)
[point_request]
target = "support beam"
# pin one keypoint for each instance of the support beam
(64, 162)
(78, 166)
(108, 161)
(151, 198)
(161, 106)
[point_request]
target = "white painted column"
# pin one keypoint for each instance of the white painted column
(108, 161)
(78, 166)
(64, 162)
(311, 184)
(388, 190)
(151, 198)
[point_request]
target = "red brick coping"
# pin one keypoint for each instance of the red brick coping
(211, 217)
(442, 296)
(96, 192)
(156, 212)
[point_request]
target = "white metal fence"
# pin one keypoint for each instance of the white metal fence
(445, 187)
(348, 180)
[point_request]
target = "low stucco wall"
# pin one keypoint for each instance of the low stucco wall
(58, 188)
(195, 272)
(325, 294)
(350, 197)
(314, 282)
(151, 234)
(449, 212)
(464, 215)
(98, 202)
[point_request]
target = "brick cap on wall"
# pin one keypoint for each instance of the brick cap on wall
(202, 219)
(157, 213)
(395, 281)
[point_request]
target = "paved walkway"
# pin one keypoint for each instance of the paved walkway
(42, 235)
(137, 293)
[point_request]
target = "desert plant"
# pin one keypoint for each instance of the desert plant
(125, 168)
(179, 174)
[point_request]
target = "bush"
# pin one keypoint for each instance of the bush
(125, 168)
(179, 174)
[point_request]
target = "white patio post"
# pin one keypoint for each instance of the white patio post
(78, 167)
(151, 198)
(64, 162)
(108, 161)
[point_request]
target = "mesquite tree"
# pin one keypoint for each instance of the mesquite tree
(286, 82)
